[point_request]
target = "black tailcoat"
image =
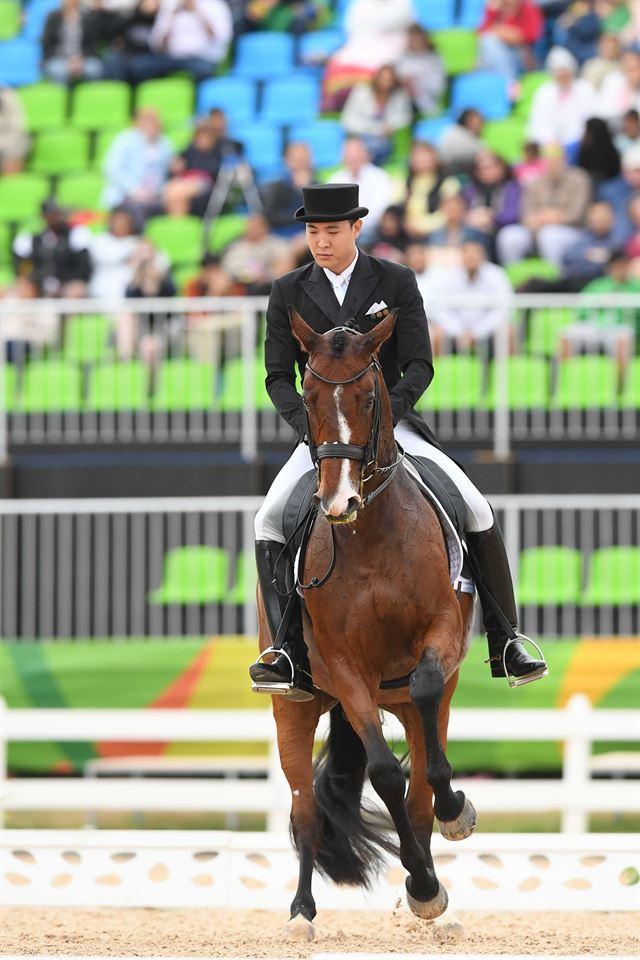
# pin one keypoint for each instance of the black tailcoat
(405, 357)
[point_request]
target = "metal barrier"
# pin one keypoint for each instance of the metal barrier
(191, 370)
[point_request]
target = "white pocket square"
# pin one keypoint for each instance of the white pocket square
(376, 307)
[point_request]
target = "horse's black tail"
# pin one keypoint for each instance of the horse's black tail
(351, 842)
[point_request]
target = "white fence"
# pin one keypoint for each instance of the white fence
(191, 370)
(575, 794)
(184, 566)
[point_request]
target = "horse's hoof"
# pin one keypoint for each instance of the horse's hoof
(299, 928)
(429, 909)
(464, 824)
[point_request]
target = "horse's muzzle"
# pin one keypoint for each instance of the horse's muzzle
(347, 515)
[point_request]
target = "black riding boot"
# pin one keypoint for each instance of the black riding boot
(488, 550)
(289, 674)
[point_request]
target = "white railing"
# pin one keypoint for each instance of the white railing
(575, 795)
(107, 568)
(229, 406)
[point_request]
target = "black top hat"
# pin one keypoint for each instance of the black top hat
(326, 202)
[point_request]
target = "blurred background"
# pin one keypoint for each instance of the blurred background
(152, 155)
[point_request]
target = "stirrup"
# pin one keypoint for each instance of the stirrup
(529, 677)
(283, 688)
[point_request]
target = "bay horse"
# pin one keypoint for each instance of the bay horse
(387, 611)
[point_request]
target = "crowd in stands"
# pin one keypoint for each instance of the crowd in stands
(448, 195)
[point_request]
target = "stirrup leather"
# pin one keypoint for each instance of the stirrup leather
(529, 677)
(282, 687)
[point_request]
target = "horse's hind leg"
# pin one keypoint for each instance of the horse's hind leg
(455, 814)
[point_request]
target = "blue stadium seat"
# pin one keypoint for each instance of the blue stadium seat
(325, 139)
(435, 14)
(235, 95)
(36, 13)
(317, 46)
(484, 90)
(471, 14)
(19, 63)
(290, 100)
(431, 129)
(263, 147)
(263, 55)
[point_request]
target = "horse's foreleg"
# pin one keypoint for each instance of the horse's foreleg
(420, 795)
(456, 815)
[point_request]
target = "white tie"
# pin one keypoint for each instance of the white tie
(340, 289)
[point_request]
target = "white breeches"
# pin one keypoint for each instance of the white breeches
(268, 521)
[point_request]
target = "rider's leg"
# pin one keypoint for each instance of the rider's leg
(275, 575)
(485, 543)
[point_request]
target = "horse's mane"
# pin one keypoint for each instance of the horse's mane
(339, 339)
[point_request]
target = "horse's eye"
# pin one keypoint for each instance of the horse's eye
(368, 403)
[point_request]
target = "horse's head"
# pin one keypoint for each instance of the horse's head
(346, 402)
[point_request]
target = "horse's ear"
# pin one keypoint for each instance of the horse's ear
(373, 340)
(306, 337)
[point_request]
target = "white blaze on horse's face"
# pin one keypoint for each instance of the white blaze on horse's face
(346, 491)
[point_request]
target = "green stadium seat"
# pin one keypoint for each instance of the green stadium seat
(527, 384)
(104, 139)
(529, 269)
(529, 83)
(457, 384)
(21, 195)
(630, 398)
(586, 383)
(7, 277)
(100, 105)
(170, 97)
(549, 576)
(244, 588)
(44, 105)
(232, 395)
(179, 237)
(9, 375)
(80, 191)
(184, 385)
(457, 48)
(118, 386)
(180, 136)
(506, 137)
(50, 386)
(545, 328)
(614, 577)
(86, 338)
(226, 228)
(60, 151)
(10, 19)
(5, 243)
(193, 575)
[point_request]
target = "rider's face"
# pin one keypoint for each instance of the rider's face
(333, 245)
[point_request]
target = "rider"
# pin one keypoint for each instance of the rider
(345, 284)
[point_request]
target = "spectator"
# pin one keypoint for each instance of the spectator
(454, 232)
(56, 260)
(595, 70)
(290, 17)
(532, 164)
(620, 89)
(130, 37)
(112, 256)
(390, 240)
(629, 135)
(20, 333)
(69, 45)
(620, 191)
(203, 332)
(561, 105)
(151, 278)
(553, 210)
(136, 167)
(507, 34)
(588, 256)
(474, 280)
(196, 168)
(492, 195)
(632, 246)
(422, 71)
(578, 29)
(376, 110)
(376, 186)
(254, 259)
(615, 17)
(426, 187)
(14, 140)
(461, 142)
(212, 280)
(281, 198)
(597, 153)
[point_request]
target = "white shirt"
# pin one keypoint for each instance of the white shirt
(559, 116)
(185, 33)
(376, 191)
(491, 281)
(340, 281)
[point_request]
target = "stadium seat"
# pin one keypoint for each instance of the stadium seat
(118, 386)
(7, 276)
(103, 141)
(170, 97)
(262, 55)
(44, 106)
(545, 327)
(226, 228)
(529, 83)
(193, 575)
(19, 63)
(471, 13)
(10, 378)
(614, 577)
(288, 100)
(549, 576)
(263, 147)
(431, 129)
(318, 45)
(180, 136)
(86, 338)
(435, 14)
(21, 195)
(457, 384)
(183, 385)
(324, 138)
(10, 16)
(484, 90)
(527, 384)
(50, 386)
(630, 398)
(101, 105)
(524, 270)
(60, 151)
(586, 383)
(235, 95)
(179, 237)
(36, 13)
(233, 392)
(5, 243)
(458, 49)
(244, 587)
(81, 191)
(506, 138)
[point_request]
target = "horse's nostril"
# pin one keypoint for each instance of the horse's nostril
(353, 504)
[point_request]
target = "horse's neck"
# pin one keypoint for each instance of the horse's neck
(387, 447)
